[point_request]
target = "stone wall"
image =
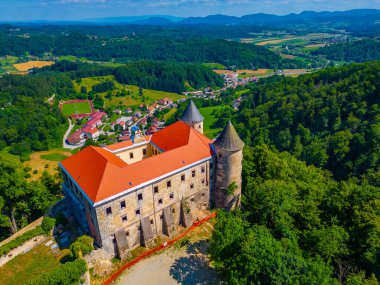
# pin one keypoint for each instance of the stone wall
(163, 194)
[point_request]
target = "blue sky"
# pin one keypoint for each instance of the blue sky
(84, 9)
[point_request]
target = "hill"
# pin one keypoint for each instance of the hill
(358, 51)
(328, 118)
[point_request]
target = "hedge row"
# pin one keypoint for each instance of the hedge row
(44, 228)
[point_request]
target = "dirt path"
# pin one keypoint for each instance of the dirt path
(187, 265)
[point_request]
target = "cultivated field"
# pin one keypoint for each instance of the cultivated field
(78, 108)
(25, 66)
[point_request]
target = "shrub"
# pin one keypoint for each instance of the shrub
(68, 273)
(47, 224)
(35, 171)
(83, 245)
(27, 168)
(28, 175)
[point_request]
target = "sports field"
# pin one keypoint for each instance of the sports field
(78, 108)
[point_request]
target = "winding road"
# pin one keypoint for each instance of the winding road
(65, 145)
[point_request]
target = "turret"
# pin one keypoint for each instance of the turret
(192, 117)
(229, 157)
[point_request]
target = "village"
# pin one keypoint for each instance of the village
(128, 124)
(143, 121)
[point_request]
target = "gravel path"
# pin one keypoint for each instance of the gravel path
(187, 266)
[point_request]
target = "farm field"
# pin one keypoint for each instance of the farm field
(25, 66)
(210, 119)
(69, 109)
(23, 267)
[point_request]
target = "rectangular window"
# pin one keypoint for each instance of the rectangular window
(137, 212)
(151, 222)
(155, 189)
(183, 178)
(124, 219)
(140, 197)
(202, 169)
(127, 233)
(171, 195)
(108, 211)
(169, 184)
(144, 151)
(203, 181)
(193, 173)
(131, 155)
(173, 210)
(122, 205)
(160, 201)
(191, 186)
(211, 165)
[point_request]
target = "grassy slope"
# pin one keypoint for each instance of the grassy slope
(209, 121)
(23, 267)
(129, 100)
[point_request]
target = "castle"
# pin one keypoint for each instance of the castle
(128, 193)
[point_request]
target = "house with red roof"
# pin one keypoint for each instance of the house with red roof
(126, 194)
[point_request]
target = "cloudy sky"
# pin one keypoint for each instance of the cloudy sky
(84, 9)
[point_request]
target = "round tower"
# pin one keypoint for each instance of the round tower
(192, 117)
(229, 158)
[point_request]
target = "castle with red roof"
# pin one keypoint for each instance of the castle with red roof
(128, 193)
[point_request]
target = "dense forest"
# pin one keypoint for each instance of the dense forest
(167, 76)
(22, 202)
(200, 50)
(329, 118)
(358, 51)
(27, 122)
(298, 226)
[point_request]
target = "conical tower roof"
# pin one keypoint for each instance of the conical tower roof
(228, 139)
(191, 115)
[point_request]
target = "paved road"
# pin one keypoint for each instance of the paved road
(65, 145)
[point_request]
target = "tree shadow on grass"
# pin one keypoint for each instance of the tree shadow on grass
(194, 268)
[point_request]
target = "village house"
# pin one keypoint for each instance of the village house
(126, 194)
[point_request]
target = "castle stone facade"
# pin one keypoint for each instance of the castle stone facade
(127, 194)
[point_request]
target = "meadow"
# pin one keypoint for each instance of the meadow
(6, 64)
(131, 99)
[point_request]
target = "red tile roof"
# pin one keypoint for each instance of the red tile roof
(101, 174)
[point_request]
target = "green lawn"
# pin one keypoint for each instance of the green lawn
(209, 121)
(54, 156)
(76, 108)
(23, 267)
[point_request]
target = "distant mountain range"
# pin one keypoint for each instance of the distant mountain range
(369, 16)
